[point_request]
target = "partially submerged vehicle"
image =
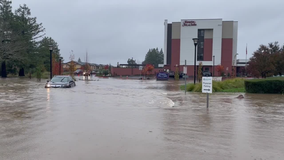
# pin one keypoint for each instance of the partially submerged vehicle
(60, 82)
(162, 76)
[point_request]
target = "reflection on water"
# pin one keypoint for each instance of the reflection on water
(136, 119)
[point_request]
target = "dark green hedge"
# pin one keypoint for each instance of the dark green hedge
(271, 85)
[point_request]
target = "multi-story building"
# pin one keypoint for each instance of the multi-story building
(217, 41)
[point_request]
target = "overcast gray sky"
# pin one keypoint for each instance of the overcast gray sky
(114, 30)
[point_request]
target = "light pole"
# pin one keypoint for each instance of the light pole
(235, 64)
(60, 64)
(195, 41)
(213, 65)
(50, 50)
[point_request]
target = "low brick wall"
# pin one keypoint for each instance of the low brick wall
(128, 71)
(217, 78)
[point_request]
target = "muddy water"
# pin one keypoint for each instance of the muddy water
(131, 119)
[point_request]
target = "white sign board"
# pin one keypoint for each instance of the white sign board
(207, 84)
(185, 70)
(140, 68)
(160, 65)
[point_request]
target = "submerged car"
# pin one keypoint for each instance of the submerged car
(206, 74)
(162, 76)
(60, 82)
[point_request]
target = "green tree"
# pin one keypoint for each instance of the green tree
(72, 66)
(154, 57)
(177, 74)
(6, 35)
(30, 31)
(105, 72)
(42, 54)
(199, 74)
(267, 61)
(79, 60)
(19, 33)
(131, 61)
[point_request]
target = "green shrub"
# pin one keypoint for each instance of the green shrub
(216, 87)
(269, 85)
(190, 87)
(234, 90)
(229, 85)
(198, 87)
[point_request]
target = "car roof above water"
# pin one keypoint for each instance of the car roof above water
(61, 76)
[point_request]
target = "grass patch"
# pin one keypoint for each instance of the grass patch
(234, 90)
(229, 85)
(182, 87)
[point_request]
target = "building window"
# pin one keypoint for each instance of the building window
(202, 32)
(200, 58)
(200, 51)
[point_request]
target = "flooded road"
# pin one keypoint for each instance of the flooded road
(132, 119)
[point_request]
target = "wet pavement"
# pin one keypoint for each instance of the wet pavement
(133, 119)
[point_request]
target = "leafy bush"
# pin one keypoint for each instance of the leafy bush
(198, 87)
(190, 87)
(216, 87)
(229, 85)
(269, 85)
(105, 72)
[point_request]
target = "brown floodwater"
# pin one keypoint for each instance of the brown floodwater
(133, 119)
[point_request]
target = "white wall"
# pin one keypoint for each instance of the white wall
(165, 41)
(189, 32)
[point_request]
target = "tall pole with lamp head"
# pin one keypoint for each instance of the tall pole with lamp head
(60, 64)
(195, 41)
(50, 50)
(213, 65)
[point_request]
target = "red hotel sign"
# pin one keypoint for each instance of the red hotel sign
(189, 23)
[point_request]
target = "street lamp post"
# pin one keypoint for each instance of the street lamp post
(50, 50)
(60, 64)
(235, 64)
(213, 65)
(195, 41)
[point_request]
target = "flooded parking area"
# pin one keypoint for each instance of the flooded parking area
(135, 119)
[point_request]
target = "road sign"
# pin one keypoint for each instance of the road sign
(206, 84)
(185, 70)
(160, 65)
(140, 68)
(185, 76)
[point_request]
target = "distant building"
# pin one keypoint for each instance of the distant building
(240, 67)
(131, 70)
(81, 65)
(217, 38)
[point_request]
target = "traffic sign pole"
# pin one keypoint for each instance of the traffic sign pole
(207, 100)
(207, 87)
(184, 78)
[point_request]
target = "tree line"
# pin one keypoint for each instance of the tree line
(24, 47)
(267, 61)
(154, 57)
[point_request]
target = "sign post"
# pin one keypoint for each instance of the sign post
(185, 75)
(207, 87)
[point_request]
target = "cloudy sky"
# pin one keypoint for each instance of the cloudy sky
(112, 31)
